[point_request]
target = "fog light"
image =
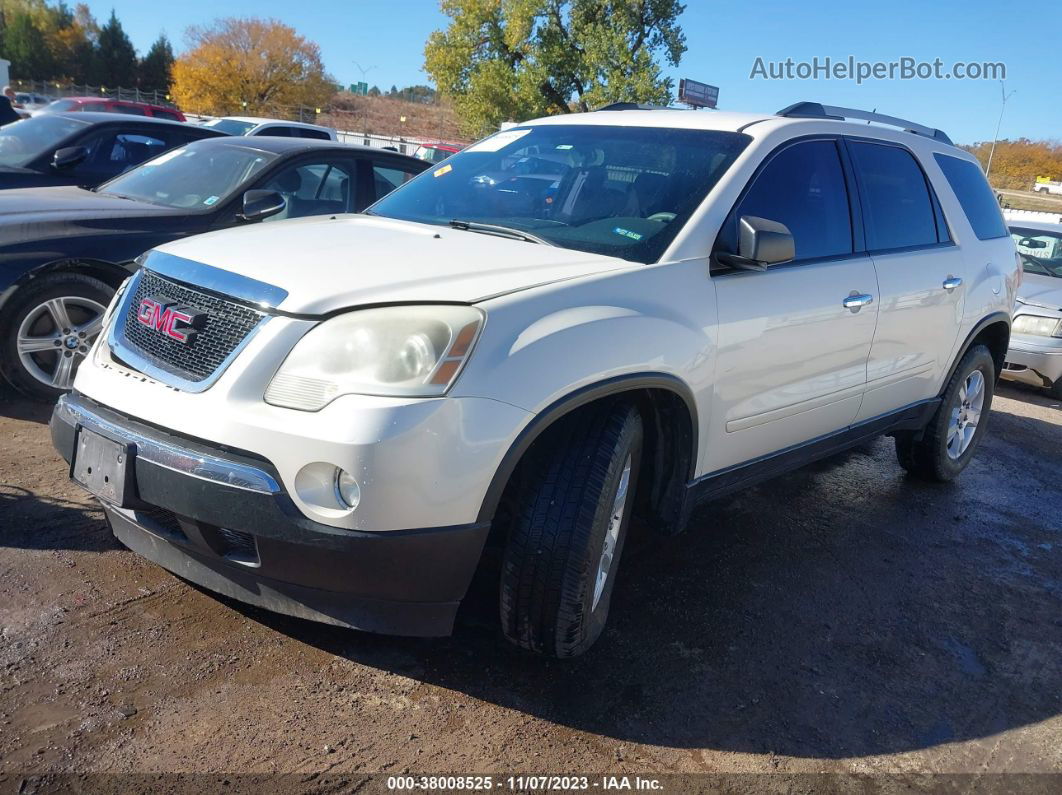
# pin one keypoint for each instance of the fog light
(331, 490)
(347, 489)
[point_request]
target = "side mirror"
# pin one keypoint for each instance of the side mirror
(761, 243)
(68, 157)
(259, 204)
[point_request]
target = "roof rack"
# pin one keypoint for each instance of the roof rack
(632, 106)
(816, 110)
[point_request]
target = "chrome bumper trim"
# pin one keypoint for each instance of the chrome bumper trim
(165, 454)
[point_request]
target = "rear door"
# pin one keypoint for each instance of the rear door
(920, 275)
(791, 362)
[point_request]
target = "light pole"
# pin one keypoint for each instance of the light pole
(992, 153)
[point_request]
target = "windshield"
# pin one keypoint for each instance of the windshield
(230, 126)
(1041, 251)
(192, 177)
(24, 141)
(619, 191)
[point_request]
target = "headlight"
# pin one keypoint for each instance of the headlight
(406, 351)
(1038, 325)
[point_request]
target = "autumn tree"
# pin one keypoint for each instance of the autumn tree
(23, 43)
(1017, 164)
(249, 65)
(505, 60)
(155, 68)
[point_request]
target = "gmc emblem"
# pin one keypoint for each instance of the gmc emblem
(179, 323)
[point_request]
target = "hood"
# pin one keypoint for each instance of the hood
(68, 203)
(39, 214)
(334, 262)
(1042, 291)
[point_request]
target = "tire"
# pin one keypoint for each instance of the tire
(943, 448)
(35, 317)
(563, 499)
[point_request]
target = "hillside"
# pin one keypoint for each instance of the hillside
(383, 116)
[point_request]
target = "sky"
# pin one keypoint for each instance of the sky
(383, 43)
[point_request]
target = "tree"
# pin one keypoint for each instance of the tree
(72, 42)
(23, 44)
(253, 65)
(156, 67)
(115, 56)
(374, 91)
(505, 60)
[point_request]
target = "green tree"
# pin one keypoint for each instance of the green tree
(374, 91)
(115, 56)
(512, 60)
(72, 41)
(155, 71)
(23, 43)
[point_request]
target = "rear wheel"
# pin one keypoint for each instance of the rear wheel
(948, 442)
(48, 328)
(570, 508)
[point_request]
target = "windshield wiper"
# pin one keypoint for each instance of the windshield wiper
(501, 231)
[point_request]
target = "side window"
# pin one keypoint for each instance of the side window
(313, 189)
(975, 196)
(802, 187)
(386, 179)
(95, 107)
(277, 132)
(165, 114)
(317, 135)
(130, 110)
(114, 153)
(897, 206)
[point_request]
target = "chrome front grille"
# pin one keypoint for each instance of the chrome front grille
(223, 325)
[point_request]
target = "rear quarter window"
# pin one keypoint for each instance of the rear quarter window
(975, 196)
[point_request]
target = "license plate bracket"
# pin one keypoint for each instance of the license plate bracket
(103, 466)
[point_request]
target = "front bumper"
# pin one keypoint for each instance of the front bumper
(1034, 363)
(221, 519)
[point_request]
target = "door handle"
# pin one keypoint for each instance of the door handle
(951, 283)
(857, 301)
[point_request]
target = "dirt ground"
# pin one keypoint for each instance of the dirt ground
(843, 618)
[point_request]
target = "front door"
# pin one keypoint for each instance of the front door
(791, 363)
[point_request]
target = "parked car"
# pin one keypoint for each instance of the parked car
(108, 105)
(333, 418)
(28, 100)
(435, 152)
(63, 251)
(1035, 355)
(250, 125)
(84, 148)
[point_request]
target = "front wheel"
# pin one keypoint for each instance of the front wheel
(945, 446)
(48, 327)
(570, 507)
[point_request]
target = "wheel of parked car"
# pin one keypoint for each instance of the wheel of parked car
(570, 509)
(948, 442)
(48, 328)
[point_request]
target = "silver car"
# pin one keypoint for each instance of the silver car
(1035, 354)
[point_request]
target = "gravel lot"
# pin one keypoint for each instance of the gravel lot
(842, 618)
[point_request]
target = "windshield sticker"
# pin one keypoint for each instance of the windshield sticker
(498, 141)
(442, 170)
(209, 200)
(565, 146)
(627, 233)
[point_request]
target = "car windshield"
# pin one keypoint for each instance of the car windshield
(1040, 250)
(619, 191)
(230, 126)
(24, 141)
(192, 177)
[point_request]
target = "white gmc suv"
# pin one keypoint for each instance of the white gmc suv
(572, 321)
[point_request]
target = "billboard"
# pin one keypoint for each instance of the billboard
(698, 95)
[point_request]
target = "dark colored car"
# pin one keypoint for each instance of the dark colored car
(107, 105)
(65, 250)
(85, 148)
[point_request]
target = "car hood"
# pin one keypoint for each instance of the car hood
(335, 262)
(38, 214)
(1042, 291)
(29, 205)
